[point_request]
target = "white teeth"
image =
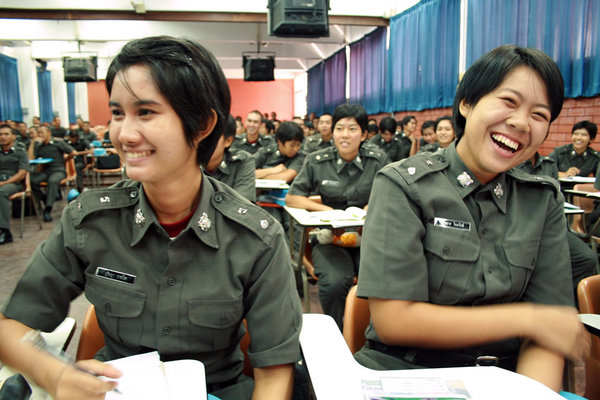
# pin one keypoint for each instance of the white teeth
(135, 155)
(504, 140)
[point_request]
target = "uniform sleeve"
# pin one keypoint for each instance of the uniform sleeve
(245, 179)
(274, 313)
(551, 279)
(23, 160)
(65, 147)
(554, 156)
(52, 279)
(297, 162)
(392, 257)
(303, 184)
(260, 158)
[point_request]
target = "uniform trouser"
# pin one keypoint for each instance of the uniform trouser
(79, 166)
(583, 259)
(5, 205)
(53, 178)
(336, 267)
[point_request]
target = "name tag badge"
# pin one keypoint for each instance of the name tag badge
(326, 182)
(452, 224)
(115, 275)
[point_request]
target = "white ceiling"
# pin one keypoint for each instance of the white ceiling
(226, 27)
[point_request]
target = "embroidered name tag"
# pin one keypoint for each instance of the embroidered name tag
(326, 182)
(449, 223)
(115, 275)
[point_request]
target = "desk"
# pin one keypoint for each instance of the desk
(334, 374)
(591, 322)
(306, 219)
(271, 184)
(41, 161)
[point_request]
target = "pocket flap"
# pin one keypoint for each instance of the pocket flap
(522, 253)
(451, 244)
(113, 300)
(219, 314)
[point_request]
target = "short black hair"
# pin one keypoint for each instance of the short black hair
(230, 127)
(489, 71)
(407, 119)
(589, 126)
(5, 126)
(428, 124)
(355, 111)
(387, 124)
(440, 119)
(289, 131)
(189, 77)
(73, 133)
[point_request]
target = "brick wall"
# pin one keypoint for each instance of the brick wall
(574, 110)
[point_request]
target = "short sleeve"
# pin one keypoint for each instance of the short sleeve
(303, 184)
(23, 160)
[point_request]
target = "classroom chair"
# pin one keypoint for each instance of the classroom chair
(70, 179)
(356, 320)
(588, 294)
(92, 340)
(23, 195)
(578, 226)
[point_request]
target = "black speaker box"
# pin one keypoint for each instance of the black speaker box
(299, 18)
(259, 69)
(80, 69)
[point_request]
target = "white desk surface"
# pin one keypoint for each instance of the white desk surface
(313, 219)
(336, 375)
(578, 179)
(271, 184)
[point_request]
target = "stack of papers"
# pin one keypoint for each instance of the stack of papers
(415, 388)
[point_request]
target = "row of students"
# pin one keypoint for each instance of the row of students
(450, 266)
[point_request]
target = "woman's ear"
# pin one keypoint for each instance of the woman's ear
(210, 125)
(464, 108)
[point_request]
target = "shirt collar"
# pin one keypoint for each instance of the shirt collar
(340, 163)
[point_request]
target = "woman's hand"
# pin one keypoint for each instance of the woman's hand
(82, 383)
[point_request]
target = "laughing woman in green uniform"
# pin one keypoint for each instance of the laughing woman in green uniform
(194, 257)
(464, 260)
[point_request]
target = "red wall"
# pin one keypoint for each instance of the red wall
(573, 110)
(268, 96)
(277, 95)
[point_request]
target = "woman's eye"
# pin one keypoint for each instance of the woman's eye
(116, 113)
(146, 112)
(509, 100)
(542, 116)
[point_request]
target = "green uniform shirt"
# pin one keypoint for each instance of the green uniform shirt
(54, 149)
(270, 156)
(543, 166)
(393, 148)
(340, 184)
(316, 142)
(13, 161)
(185, 297)
(237, 171)
(434, 234)
(241, 143)
(405, 145)
(429, 147)
(566, 157)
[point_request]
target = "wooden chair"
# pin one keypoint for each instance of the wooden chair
(24, 194)
(356, 320)
(99, 172)
(92, 340)
(71, 177)
(588, 294)
(578, 226)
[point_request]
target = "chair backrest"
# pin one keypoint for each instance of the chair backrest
(588, 295)
(92, 340)
(356, 320)
(71, 170)
(585, 203)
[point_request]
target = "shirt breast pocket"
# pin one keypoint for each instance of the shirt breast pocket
(450, 254)
(521, 256)
(332, 192)
(215, 324)
(118, 309)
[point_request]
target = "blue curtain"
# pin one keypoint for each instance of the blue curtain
(566, 30)
(315, 100)
(71, 102)
(423, 56)
(334, 77)
(10, 97)
(45, 95)
(368, 62)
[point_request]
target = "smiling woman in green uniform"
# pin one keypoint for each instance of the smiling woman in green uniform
(464, 260)
(172, 260)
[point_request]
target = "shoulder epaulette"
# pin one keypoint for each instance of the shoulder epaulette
(415, 167)
(525, 177)
(323, 155)
(122, 194)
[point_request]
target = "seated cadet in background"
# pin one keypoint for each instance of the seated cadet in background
(577, 158)
(59, 151)
(323, 138)
(407, 139)
(86, 133)
(23, 136)
(82, 148)
(386, 139)
(14, 164)
(464, 258)
(444, 134)
(427, 133)
(196, 257)
(58, 131)
(239, 126)
(283, 159)
(372, 130)
(583, 259)
(342, 175)
(235, 168)
(252, 140)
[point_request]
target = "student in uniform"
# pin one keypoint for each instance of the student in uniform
(407, 139)
(195, 258)
(252, 140)
(342, 176)
(283, 159)
(82, 148)
(427, 133)
(323, 138)
(59, 151)
(233, 168)
(464, 260)
(578, 158)
(386, 139)
(444, 134)
(13, 169)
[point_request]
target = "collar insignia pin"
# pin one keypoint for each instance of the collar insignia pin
(242, 210)
(204, 222)
(105, 199)
(339, 161)
(411, 170)
(428, 162)
(464, 179)
(264, 223)
(139, 217)
(223, 164)
(498, 191)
